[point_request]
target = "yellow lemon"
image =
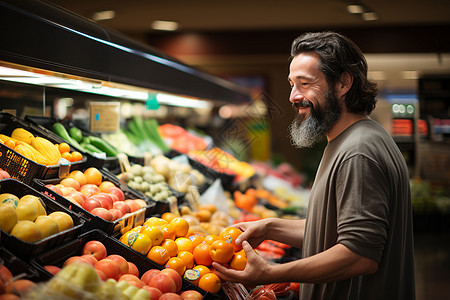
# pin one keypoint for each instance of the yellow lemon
(139, 242)
(27, 231)
(154, 233)
(8, 217)
(47, 225)
(63, 219)
(9, 198)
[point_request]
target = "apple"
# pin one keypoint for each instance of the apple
(101, 274)
(5, 273)
(19, 287)
(141, 202)
(4, 174)
(191, 295)
(77, 196)
(90, 204)
(54, 188)
(123, 264)
(132, 280)
(155, 294)
(132, 204)
(148, 275)
(102, 213)
(73, 259)
(52, 269)
(109, 267)
(89, 258)
(122, 206)
(71, 199)
(117, 214)
(105, 200)
(116, 191)
(96, 249)
(176, 277)
(163, 283)
(66, 190)
(132, 269)
(114, 197)
(89, 189)
(170, 296)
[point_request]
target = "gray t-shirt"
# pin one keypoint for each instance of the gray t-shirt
(361, 198)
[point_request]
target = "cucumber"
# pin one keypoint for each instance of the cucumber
(61, 131)
(104, 146)
(76, 134)
(91, 148)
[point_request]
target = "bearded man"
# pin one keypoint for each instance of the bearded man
(357, 237)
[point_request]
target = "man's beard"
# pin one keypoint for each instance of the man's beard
(307, 132)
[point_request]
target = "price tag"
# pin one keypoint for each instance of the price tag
(64, 168)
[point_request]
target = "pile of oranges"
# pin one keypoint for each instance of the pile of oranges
(71, 156)
(169, 242)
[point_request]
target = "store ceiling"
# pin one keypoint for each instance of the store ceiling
(134, 18)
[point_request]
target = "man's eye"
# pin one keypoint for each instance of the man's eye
(305, 83)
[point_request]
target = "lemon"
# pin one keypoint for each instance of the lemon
(8, 217)
(27, 231)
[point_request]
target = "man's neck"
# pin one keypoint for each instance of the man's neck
(344, 122)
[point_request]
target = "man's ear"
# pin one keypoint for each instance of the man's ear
(343, 85)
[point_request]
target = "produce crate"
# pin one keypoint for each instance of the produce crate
(26, 249)
(22, 168)
(159, 206)
(111, 163)
(210, 174)
(113, 246)
(21, 269)
(115, 228)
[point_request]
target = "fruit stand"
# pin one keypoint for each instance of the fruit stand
(84, 216)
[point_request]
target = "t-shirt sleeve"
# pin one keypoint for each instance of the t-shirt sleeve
(362, 207)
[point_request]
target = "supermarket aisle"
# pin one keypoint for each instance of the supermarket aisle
(432, 263)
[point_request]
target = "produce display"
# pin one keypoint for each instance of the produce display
(39, 149)
(144, 179)
(222, 161)
(88, 143)
(182, 242)
(99, 197)
(27, 219)
(180, 139)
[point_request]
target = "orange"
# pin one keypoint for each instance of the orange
(184, 244)
(230, 234)
(78, 176)
(154, 233)
(155, 221)
(159, 255)
(187, 257)
(76, 156)
(201, 254)
(202, 270)
(193, 275)
(67, 155)
(93, 176)
(221, 251)
(139, 242)
(105, 185)
(168, 231)
(209, 239)
(168, 216)
(210, 282)
(239, 260)
(177, 264)
(196, 239)
(181, 226)
(170, 246)
(63, 148)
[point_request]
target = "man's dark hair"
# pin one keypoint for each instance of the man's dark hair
(337, 55)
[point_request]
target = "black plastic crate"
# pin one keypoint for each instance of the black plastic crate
(22, 168)
(117, 227)
(113, 246)
(26, 249)
(110, 163)
(21, 269)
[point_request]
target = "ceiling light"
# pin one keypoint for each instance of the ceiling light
(182, 101)
(104, 15)
(410, 75)
(355, 9)
(376, 75)
(370, 16)
(164, 25)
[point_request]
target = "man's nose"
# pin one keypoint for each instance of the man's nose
(295, 96)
